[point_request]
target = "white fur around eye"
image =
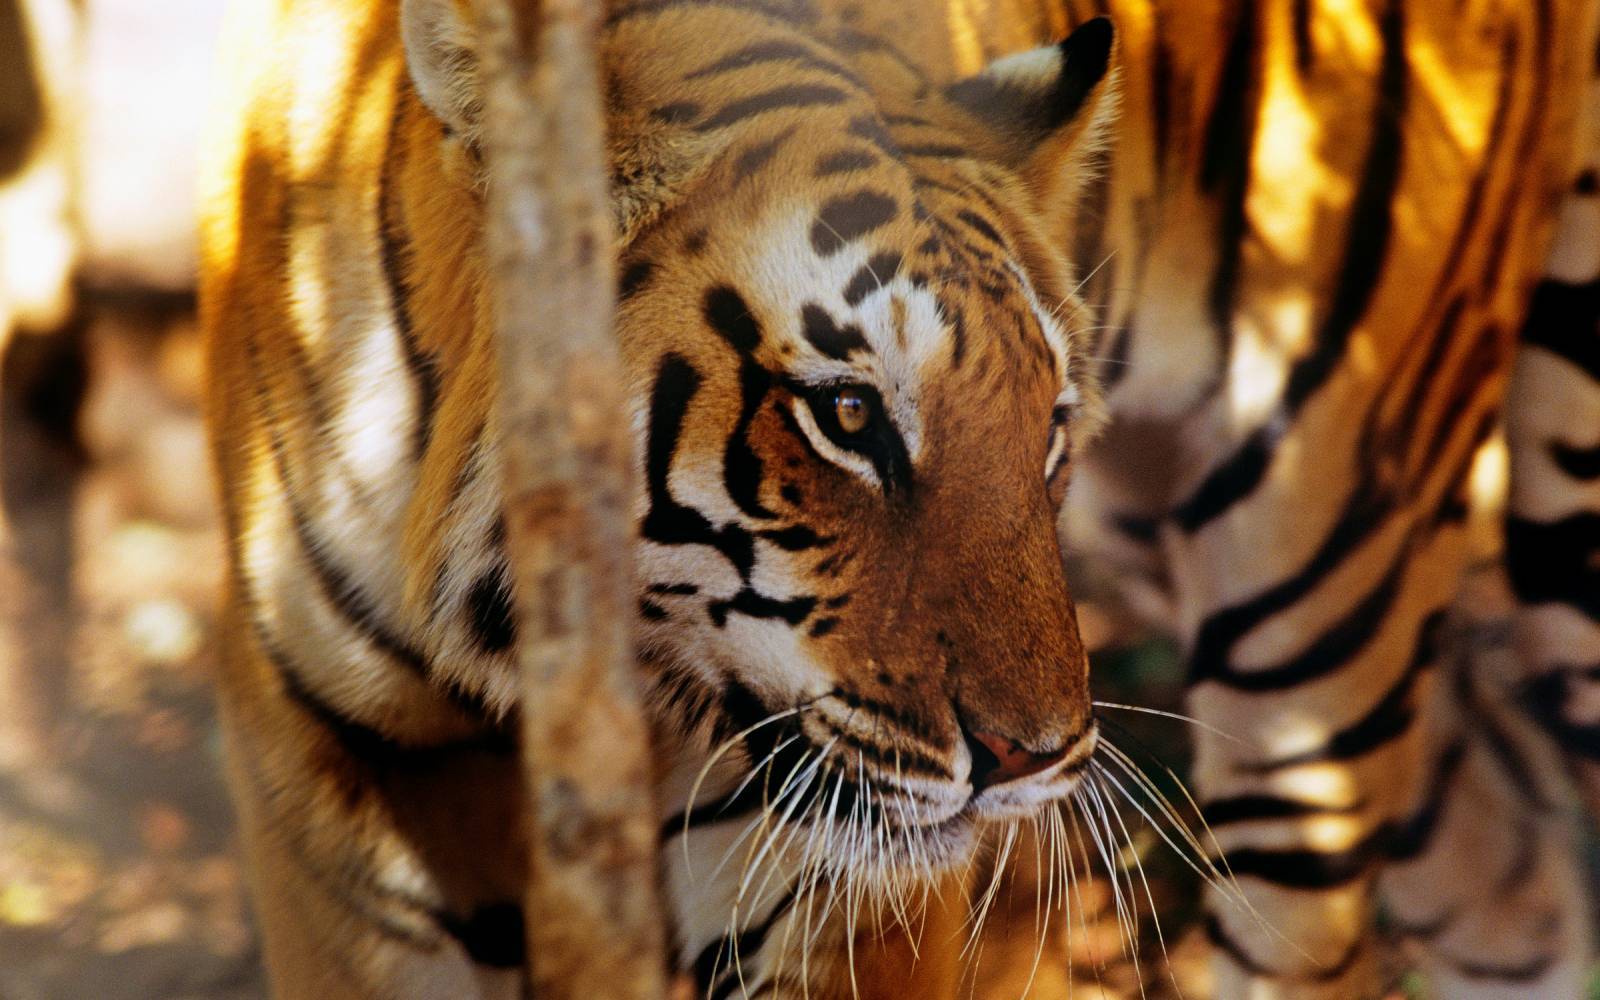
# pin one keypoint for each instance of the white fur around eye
(832, 452)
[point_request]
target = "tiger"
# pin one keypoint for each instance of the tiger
(1248, 274)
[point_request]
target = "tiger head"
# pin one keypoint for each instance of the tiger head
(857, 381)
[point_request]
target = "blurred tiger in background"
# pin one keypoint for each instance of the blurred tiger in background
(877, 262)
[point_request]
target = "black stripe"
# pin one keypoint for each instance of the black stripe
(893, 759)
(777, 50)
(1369, 506)
(720, 960)
(651, 611)
(1226, 167)
(1486, 356)
(634, 278)
(868, 127)
(1407, 840)
(798, 12)
(1554, 562)
(936, 151)
(793, 95)
(1526, 972)
(754, 604)
(880, 268)
(753, 159)
(742, 469)
(1222, 940)
(845, 161)
(1401, 840)
(1545, 697)
(492, 935)
(1161, 88)
(1579, 463)
(1534, 131)
(982, 226)
(674, 589)
(1424, 930)
(1253, 808)
(904, 718)
(822, 626)
(489, 605)
(727, 313)
(782, 750)
(958, 337)
(1389, 719)
(675, 113)
(850, 217)
(668, 522)
(342, 593)
(851, 41)
(827, 336)
(1304, 51)
(1366, 249)
(1562, 319)
(395, 253)
(797, 538)
(1112, 367)
(1389, 440)
(374, 905)
(360, 740)
(1337, 645)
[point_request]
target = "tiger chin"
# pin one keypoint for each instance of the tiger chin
(852, 345)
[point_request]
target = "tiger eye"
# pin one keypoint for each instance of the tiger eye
(853, 410)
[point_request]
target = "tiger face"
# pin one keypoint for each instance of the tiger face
(856, 386)
(854, 460)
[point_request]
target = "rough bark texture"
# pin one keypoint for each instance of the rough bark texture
(595, 927)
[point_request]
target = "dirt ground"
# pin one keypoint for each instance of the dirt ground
(117, 872)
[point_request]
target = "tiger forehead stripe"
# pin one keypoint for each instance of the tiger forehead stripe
(759, 53)
(728, 314)
(827, 336)
(850, 217)
(845, 161)
(882, 267)
(798, 95)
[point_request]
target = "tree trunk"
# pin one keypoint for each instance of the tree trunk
(595, 927)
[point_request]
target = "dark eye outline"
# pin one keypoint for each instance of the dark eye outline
(879, 442)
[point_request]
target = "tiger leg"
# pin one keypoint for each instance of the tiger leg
(1486, 890)
(349, 841)
(1553, 522)
(1520, 926)
(1313, 643)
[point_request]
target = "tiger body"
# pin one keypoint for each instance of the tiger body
(829, 210)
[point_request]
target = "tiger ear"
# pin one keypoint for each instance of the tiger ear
(441, 54)
(1048, 110)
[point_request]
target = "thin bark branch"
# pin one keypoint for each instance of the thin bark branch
(594, 921)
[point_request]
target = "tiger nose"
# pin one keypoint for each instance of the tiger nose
(996, 759)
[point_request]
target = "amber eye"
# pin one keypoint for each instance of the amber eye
(853, 409)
